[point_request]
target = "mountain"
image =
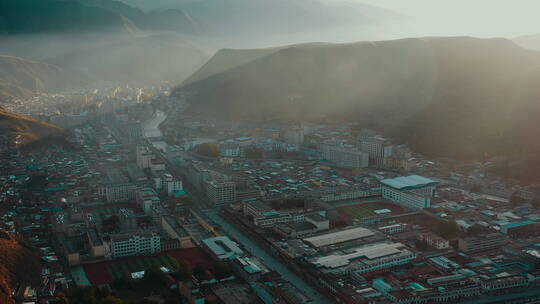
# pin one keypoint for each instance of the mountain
(144, 59)
(83, 16)
(530, 42)
(226, 59)
(267, 22)
(19, 265)
(21, 78)
(457, 96)
(56, 16)
(27, 130)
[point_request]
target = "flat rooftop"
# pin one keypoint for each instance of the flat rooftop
(223, 247)
(339, 237)
(409, 182)
(369, 252)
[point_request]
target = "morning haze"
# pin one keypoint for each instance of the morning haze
(269, 151)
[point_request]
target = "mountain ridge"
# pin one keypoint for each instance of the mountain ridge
(398, 86)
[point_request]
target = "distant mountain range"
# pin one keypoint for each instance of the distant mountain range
(142, 59)
(80, 16)
(458, 96)
(29, 131)
(530, 41)
(271, 22)
(95, 40)
(22, 78)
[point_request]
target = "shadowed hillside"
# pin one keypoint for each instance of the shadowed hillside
(461, 96)
(19, 266)
(22, 78)
(26, 129)
(147, 59)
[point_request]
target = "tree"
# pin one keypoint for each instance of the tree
(111, 224)
(254, 153)
(421, 245)
(183, 272)
(446, 229)
(221, 270)
(199, 270)
(122, 283)
(144, 301)
(476, 189)
(515, 199)
(112, 300)
(474, 230)
(61, 299)
(207, 149)
(154, 277)
(84, 295)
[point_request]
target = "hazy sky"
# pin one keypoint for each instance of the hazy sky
(467, 17)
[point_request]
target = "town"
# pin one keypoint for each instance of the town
(196, 211)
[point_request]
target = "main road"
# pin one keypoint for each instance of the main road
(268, 259)
(151, 129)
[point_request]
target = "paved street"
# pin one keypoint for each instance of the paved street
(269, 261)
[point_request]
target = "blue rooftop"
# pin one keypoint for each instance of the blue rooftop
(223, 247)
(409, 182)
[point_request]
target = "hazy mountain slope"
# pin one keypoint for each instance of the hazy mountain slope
(18, 265)
(22, 78)
(446, 96)
(29, 130)
(226, 59)
(270, 22)
(145, 59)
(84, 16)
(324, 77)
(531, 41)
(54, 16)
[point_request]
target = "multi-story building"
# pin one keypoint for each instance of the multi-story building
(221, 192)
(171, 184)
(147, 198)
(133, 244)
(344, 157)
(230, 150)
(374, 147)
(144, 157)
(481, 243)
(434, 240)
(339, 193)
(364, 259)
(294, 136)
(117, 186)
(397, 158)
(412, 191)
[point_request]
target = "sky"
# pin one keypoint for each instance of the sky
(483, 18)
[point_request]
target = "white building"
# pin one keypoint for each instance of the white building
(147, 198)
(365, 258)
(230, 150)
(171, 184)
(144, 157)
(294, 136)
(344, 157)
(221, 192)
(374, 147)
(135, 244)
(412, 191)
(434, 240)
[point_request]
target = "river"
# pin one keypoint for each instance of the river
(269, 260)
(151, 131)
